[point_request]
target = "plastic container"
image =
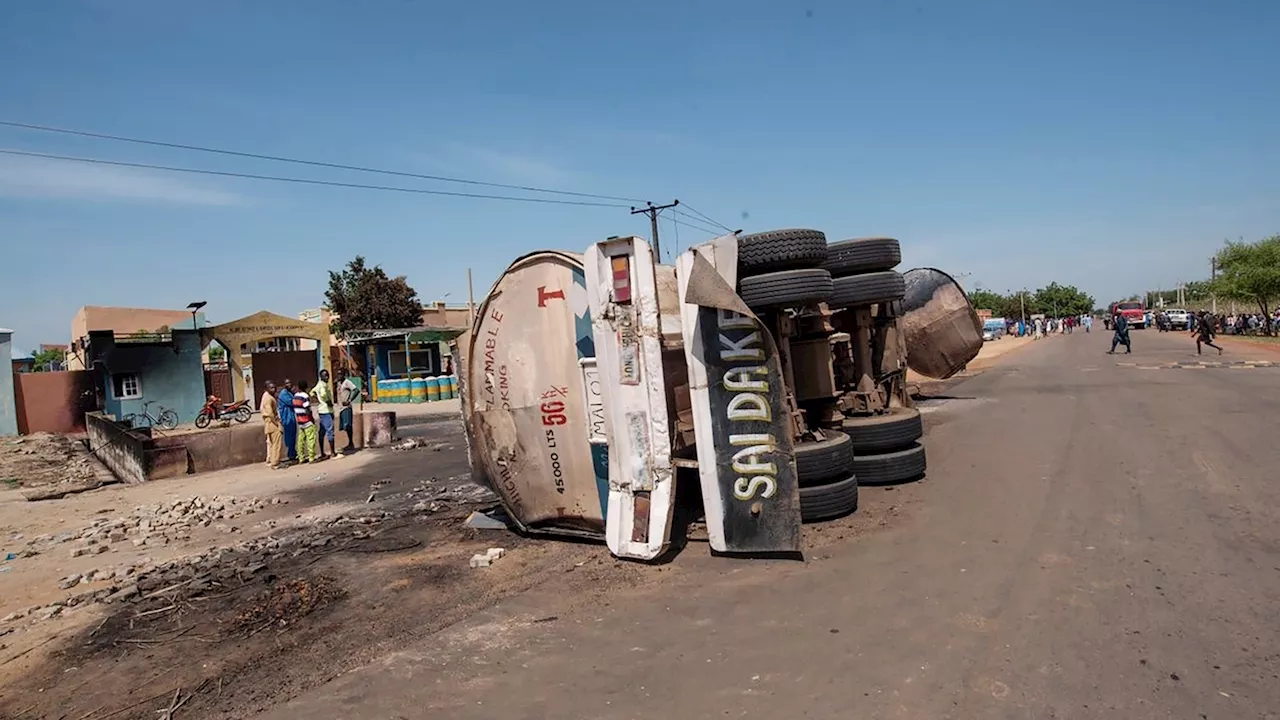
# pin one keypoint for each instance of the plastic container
(433, 389)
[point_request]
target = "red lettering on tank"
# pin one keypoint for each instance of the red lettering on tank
(544, 296)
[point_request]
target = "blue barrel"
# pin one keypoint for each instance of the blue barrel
(418, 390)
(450, 382)
(433, 389)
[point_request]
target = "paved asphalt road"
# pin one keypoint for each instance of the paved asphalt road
(1092, 541)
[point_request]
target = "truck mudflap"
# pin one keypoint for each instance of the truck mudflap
(622, 295)
(746, 463)
(530, 402)
(941, 329)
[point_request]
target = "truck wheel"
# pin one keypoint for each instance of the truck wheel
(818, 462)
(788, 288)
(866, 289)
(781, 250)
(891, 467)
(893, 430)
(825, 502)
(860, 255)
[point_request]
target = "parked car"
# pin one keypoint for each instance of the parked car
(994, 329)
(1178, 319)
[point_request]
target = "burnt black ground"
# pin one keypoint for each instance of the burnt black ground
(1092, 540)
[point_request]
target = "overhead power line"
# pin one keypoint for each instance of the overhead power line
(693, 222)
(704, 217)
(307, 181)
(703, 228)
(313, 163)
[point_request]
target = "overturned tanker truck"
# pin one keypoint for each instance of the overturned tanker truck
(755, 383)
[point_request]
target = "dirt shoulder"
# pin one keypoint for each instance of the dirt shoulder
(309, 573)
(233, 590)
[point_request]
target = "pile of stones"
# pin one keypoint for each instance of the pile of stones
(152, 525)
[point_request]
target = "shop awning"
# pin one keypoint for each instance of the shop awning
(417, 335)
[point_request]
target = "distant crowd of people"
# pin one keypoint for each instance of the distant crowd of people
(1040, 327)
(298, 419)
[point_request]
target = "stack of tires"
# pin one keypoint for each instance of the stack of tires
(886, 447)
(791, 269)
(784, 269)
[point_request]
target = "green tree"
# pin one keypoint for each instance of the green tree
(366, 298)
(1250, 272)
(49, 359)
(217, 353)
(1063, 300)
(987, 300)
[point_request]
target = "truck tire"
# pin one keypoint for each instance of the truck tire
(860, 255)
(788, 288)
(781, 250)
(818, 462)
(866, 289)
(891, 467)
(825, 502)
(893, 430)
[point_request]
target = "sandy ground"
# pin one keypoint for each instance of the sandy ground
(390, 575)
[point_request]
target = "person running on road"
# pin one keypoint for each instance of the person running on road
(1121, 336)
(1204, 333)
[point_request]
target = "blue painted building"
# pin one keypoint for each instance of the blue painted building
(8, 409)
(165, 369)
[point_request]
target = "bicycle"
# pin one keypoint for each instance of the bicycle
(165, 420)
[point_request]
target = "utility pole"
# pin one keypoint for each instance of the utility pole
(1213, 275)
(652, 211)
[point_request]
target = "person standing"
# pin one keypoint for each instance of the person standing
(307, 435)
(288, 423)
(1121, 336)
(347, 394)
(1204, 334)
(271, 426)
(322, 399)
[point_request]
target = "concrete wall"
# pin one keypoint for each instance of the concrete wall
(122, 451)
(137, 456)
(52, 401)
(8, 408)
(174, 380)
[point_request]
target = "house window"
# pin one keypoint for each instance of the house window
(126, 386)
(419, 361)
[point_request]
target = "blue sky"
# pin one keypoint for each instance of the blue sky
(1111, 145)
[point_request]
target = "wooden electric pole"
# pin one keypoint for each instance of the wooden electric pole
(652, 211)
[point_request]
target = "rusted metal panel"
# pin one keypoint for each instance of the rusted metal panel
(939, 326)
(622, 291)
(744, 442)
(527, 407)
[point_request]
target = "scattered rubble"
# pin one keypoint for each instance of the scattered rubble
(417, 442)
(481, 521)
(149, 525)
(216, 567)
(43, 459)
(485, 559)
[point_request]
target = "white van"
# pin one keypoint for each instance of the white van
(763, 374)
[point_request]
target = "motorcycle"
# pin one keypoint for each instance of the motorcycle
(215, 409)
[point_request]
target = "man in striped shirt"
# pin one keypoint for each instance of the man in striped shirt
(308, 434)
